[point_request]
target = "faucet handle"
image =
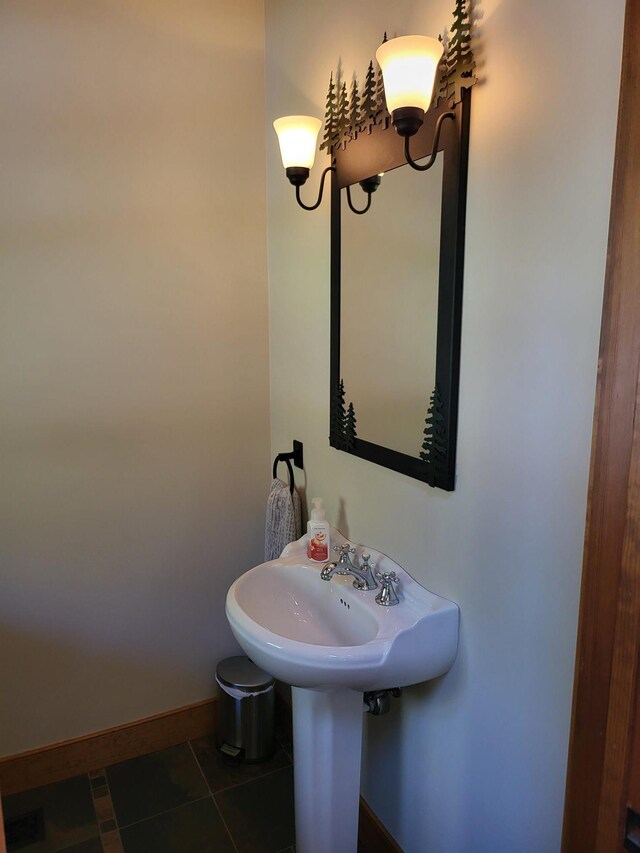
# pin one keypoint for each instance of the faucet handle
(367, 568)
(387, 596)
(344, 549)
(387, 577)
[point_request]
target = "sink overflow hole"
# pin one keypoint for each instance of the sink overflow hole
(348, 606)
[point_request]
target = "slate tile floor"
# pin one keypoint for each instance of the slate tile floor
(185, 799)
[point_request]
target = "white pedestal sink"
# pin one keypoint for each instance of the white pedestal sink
(332, 642)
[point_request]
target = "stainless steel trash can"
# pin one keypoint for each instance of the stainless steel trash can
(245, 710)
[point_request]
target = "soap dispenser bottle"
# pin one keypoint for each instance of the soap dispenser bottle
(318, 533)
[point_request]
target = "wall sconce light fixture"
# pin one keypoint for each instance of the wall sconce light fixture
(297, 136)
(409, 65)
(399, 93)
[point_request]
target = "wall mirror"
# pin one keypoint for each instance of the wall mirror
(396, 291)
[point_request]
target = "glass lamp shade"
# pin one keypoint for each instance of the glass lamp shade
(297, 136)
(409, 65)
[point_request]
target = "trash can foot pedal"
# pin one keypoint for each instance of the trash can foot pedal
(233, 751)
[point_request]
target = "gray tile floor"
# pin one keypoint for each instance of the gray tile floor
(185, 799)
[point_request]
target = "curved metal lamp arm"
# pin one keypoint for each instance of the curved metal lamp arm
(434, 149)
(317, 204)
(352, 208)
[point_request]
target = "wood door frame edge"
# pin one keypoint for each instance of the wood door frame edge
(592, 808)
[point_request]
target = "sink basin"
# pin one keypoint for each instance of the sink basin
(313, 633)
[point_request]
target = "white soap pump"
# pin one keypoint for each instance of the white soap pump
(318, 533)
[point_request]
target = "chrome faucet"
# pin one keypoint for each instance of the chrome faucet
(363, 576)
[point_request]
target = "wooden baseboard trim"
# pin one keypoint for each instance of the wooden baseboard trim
(81, 755)
(372, 833)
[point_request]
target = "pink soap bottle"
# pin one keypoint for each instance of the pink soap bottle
(318, 533)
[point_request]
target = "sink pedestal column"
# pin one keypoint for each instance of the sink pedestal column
(327, 751)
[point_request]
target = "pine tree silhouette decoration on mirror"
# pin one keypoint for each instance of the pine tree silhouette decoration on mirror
(435, 444)
(338, 418)
(342, 427)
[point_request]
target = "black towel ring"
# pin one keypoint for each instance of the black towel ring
(296, 455)
(288, 464)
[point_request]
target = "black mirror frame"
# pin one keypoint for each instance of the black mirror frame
(380, 151)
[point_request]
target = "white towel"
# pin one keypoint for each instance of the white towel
(284, 519)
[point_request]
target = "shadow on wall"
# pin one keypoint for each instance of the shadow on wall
(35, 706)
(341, 522)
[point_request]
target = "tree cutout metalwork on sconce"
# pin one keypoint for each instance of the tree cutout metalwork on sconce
(354, 104)
(457, 65)
(369, 104)
(344, 119)
(330, 118)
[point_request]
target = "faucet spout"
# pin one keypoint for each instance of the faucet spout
(328, 571)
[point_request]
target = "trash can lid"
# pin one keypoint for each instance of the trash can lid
(242, 673)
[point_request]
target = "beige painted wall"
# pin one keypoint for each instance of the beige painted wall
(133, 353)
(475, 761)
